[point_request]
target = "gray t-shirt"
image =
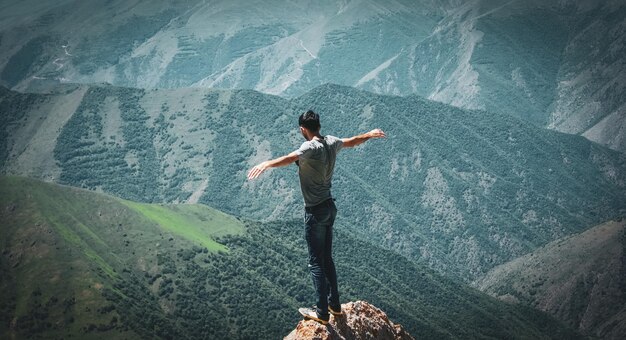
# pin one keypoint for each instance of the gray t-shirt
(316, 164)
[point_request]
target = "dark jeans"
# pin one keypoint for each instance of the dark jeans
(318, 222)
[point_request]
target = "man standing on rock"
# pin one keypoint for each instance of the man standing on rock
(316, 163)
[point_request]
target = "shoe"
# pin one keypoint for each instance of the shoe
(311, 314)
(335, 312)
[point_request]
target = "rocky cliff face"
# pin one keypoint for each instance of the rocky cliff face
(361, 320)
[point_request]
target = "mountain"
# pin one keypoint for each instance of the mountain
(557, 64)
(461, 190)
(265, 45)
(81, 264)
(76, 263)
(360, 321)
(580, 279)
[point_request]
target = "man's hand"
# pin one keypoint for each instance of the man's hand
(257, 170)
(376, 133)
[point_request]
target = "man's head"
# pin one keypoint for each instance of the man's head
(309, 121)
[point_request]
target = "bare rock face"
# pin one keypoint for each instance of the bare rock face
(360, 321)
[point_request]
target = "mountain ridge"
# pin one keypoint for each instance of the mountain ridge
(424, 191)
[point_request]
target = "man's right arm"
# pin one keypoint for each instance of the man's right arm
(359, 139)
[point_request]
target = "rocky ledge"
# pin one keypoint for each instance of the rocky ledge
(360, 321)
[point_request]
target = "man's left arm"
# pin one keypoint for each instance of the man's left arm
(274, 163)
(362, 138)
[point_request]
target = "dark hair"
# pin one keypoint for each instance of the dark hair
(310, 120)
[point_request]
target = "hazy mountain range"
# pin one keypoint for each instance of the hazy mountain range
(558, 64)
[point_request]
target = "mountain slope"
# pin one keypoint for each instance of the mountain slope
(81, 264)
(65, 252)
(554, 63)
(269, 46)
(461, 190)
(580, 279)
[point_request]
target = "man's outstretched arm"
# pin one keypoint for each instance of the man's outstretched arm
(274, 163)
(359, 139)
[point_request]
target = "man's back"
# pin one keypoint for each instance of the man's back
(316, 165)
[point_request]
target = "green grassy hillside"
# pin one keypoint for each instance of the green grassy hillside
(580, 279)
(86, 265)
(65, 249)
(460, 190)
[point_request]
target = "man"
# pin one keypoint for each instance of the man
(316, 163)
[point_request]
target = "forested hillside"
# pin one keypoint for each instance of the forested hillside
(460, 190)
(81, 264)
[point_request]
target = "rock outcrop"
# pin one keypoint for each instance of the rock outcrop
(360, 321)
